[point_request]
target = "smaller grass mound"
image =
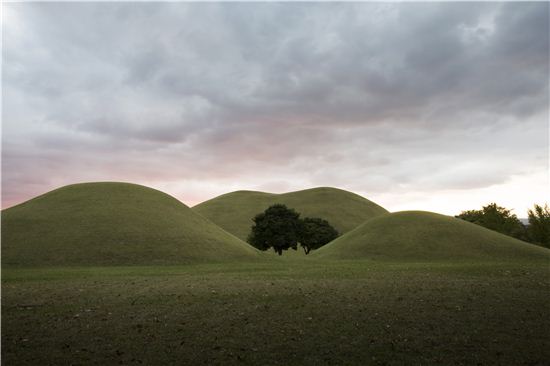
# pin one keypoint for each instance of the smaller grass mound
(427, 236)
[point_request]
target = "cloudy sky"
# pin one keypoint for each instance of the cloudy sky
(437, 106)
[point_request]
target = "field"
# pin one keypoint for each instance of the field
(279, 312)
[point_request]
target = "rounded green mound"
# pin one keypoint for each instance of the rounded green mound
(112, 224)
(342, 209)
(426, 236)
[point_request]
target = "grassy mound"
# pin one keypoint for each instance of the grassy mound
(427, 236)
(112, 223)
(342, 209)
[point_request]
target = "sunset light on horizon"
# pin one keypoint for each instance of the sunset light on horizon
(279, 97)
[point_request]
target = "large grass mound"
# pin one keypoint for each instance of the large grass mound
(112, 223)
(427, 236)
(342, 209)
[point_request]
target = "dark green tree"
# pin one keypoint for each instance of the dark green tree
(316, 233)
(496, 218)
(538, 230)
(278, 227)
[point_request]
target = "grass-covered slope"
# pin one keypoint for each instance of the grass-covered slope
(112, 223)
(342, 209)
(427, 236)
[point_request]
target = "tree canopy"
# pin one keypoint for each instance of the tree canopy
(278, 227)
(539, 225)
(316, 233)
(281, 228)
(496, 218)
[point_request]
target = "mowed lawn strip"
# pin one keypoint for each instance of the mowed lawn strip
(282, 313)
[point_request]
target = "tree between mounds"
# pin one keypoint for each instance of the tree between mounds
(281, 228)
(316, 232)
(278, 227)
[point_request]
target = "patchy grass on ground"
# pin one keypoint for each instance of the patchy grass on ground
(281, 313)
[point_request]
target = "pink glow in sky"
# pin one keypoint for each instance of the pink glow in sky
(436, 106)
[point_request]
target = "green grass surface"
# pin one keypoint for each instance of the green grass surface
(292, 312)
(343, 210)
(112, 223)
(427, 236)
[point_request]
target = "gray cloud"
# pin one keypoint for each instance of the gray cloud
(370, 97)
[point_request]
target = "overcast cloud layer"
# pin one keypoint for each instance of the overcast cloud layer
(438, 106)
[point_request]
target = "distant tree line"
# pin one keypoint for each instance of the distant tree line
(281, 228)
(500, 219)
